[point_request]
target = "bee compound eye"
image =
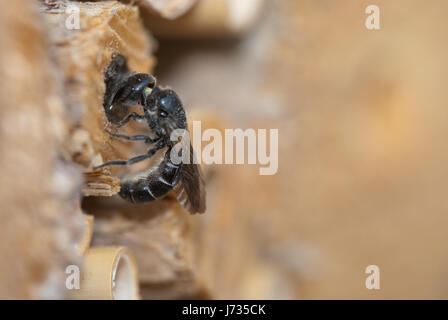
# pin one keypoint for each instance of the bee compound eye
(163, 114)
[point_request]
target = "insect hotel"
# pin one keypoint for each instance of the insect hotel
(76, 119)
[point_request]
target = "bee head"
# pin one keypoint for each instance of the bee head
(167, 108)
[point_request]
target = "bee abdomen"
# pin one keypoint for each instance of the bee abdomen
(151, 184)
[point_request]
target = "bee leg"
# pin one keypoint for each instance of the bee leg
(134, 160)
(111, 163)
(132, 115)
(124, 162)
(147, 139)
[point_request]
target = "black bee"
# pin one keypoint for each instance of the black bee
(163, 112)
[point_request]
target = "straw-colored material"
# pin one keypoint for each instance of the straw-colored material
(209, 19)
(84, 244)
(109, 273)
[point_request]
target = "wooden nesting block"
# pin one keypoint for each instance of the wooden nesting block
(105, 27)
(156, 233)
(39, 220)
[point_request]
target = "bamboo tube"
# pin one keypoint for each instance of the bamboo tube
(168, 9)
(109, 273)
(84, 244)
(209, 19)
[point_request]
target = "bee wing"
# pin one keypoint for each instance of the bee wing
(190, 187)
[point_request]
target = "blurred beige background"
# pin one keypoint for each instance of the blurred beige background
(362, 120)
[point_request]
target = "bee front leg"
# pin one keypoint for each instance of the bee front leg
(133, 115)
(147, 139)
(159, 145)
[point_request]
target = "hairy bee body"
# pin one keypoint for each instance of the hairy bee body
(150, 184)
(164, 113)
